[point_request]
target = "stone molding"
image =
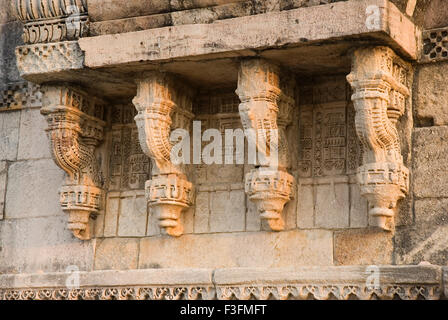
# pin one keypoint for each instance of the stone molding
(75, 129)
(164, 104)
(264, 120)
(379, 79)
(321, 283)
(52, 21)
(435, 45)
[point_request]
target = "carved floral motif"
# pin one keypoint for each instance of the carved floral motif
(240, 292)
(163, 104)
(379, 81)
(75, 129)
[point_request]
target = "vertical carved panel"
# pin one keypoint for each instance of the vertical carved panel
(129, 167)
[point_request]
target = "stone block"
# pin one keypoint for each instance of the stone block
(247, 249)
(431, 96)
(133, 215)
(116, 254)
(202, 213)
(425, 240)
(332, 205)
(358, 208)
(228, 210)
(111, 214)
(42, 245)
(430, 168)
(253, 220)
(153, 224)
(305, 206)
(363, 247)
(9, 134)
(33, 189)
(33, 140)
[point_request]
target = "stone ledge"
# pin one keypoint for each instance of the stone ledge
(234, 36)
(305, 40)
(403, 282)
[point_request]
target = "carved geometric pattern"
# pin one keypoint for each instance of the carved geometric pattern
(18, 95)
(328, 142)
(129, 167)
(435, 45)
(53, 20)
(241, 292)
(47, 58)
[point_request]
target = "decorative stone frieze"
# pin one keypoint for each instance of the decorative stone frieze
(379, 79)
(53, 20)
(75, 129)
(264, 120)
(320, 283)
(164, 104)
(435, 45)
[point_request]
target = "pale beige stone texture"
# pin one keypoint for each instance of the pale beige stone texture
(33, 189)
(431, 96)
(249, 249)
(305, 206)
(358, 208)
(363, 247)
(202, 212)
(132, 220)
(42, 244)
(430, 167)
(33, 140)
(332, 205)
(227, 211)
(111, 214)
(116, 254)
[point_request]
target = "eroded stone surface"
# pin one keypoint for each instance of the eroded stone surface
(262, 249)
(430, 168)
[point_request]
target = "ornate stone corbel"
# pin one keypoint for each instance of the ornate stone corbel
(75, 129)
(269, 186)
(52, 20)
(379, 79)
(164, 104)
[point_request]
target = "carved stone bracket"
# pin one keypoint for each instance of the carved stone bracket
(379, 79)
(164, 104)
(52, 20)
(75, 129)
(264, 119)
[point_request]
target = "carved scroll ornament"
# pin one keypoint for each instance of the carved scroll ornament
(380, 85)
(163, 104)
(75, 130)
(52, 20)
(269, 186)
